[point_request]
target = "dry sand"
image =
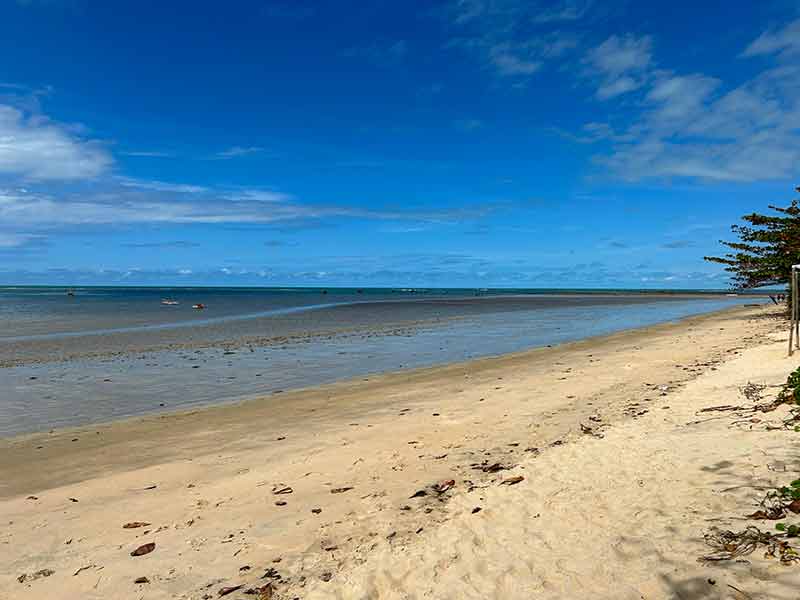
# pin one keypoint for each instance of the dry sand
(620, 516)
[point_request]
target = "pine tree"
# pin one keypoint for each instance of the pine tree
(767, 248)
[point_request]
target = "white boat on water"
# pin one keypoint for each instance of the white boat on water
(168, 302)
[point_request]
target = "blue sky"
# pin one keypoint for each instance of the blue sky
(459, 143)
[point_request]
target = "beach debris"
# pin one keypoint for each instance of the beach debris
(135, 524)
(340, 490)
(282, 489)
(229, 590)
(141, 580)
(419, 494)
(476, 510)
(280, 503)
(25, 577)
(419, 530)
(330, 547)
(512, 480)
(32, 498)
(728, 545)
(771, 514)
(73, 499)
(144, 549)
(92, 566)
(265, 592)
(443, 486)
(316, 511)
(271, 573)
(493, 468)
(391, 535)
(440, 457)
(326, 576)
(244, 568)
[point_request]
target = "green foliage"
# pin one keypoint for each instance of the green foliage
(790, 530)
(791, 390)
(767, 248)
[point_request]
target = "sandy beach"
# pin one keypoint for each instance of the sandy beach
(582, 470)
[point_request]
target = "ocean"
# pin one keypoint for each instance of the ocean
(85, 355)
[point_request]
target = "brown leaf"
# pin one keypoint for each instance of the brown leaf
(512, 480)
(144, 549)
(340, 490)
(229, 590)
(264, 592)
(442, 487)
(772, 514)
(492, 468)
(33, 576)
(794, 506)
(135, 525)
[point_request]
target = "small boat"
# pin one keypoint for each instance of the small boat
(198, 306)
(168, 302)
(70, 293)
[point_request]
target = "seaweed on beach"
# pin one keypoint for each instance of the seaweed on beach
(730, 545)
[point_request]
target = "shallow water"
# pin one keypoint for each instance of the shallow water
(435, 330)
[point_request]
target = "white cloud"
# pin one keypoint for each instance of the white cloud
(785, 40)
(507, 62)
(566, 10)
(26, 210)
(148, 154)
(507, 36)
(161, 186)
(689, 129)
(237, 151)
(34, 148)
(15, 240)
(617, 87)
(620, 63)
(693, 125)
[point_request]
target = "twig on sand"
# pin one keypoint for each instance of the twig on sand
(745, 594)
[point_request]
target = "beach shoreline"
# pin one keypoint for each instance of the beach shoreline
(47, 392)
(372, 379)
(210, 480)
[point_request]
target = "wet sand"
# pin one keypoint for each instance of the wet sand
(83, 337)
(312, 489)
